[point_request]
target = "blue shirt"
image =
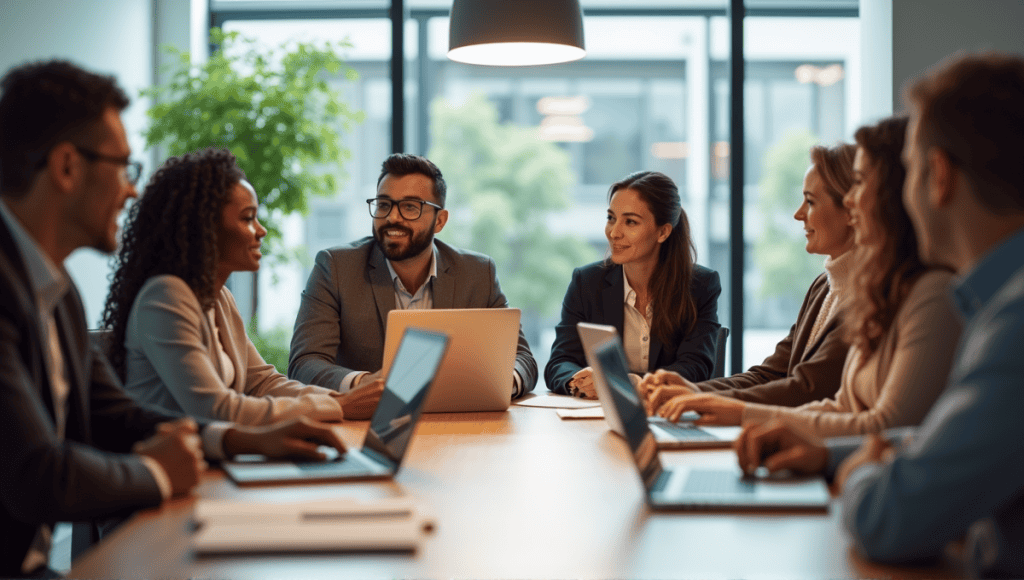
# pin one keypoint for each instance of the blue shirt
(962, 473)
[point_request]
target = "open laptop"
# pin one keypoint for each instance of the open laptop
(476, 374)
(686, 487)
(669, 435)
(391, 426)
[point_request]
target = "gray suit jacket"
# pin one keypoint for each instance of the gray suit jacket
(344, 309)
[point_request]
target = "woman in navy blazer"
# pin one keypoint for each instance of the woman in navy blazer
(667, 316)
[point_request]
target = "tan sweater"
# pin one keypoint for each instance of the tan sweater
(898, 383)
(171, 361)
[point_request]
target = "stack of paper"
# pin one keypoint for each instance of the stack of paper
(332, 525)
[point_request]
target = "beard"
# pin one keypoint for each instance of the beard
(393, 250)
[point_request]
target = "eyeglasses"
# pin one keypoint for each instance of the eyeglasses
(410, 209)
(132, 169)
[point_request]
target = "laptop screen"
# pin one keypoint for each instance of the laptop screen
(642, 444)
(416, 362)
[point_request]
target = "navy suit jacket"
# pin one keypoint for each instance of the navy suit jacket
(91, 472)
(596, 294)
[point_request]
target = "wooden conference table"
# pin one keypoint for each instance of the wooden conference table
(520, 494)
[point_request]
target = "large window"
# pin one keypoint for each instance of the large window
(529, 153)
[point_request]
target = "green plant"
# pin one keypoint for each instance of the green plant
(273, 344)
(504, 182)
(779, 253)
(273, 108)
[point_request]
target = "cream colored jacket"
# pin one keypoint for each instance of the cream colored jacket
(171, 361)
(898, 383)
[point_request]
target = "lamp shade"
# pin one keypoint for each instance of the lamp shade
(515, 32)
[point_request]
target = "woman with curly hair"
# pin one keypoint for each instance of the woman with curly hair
(901, 324)
(177, 338)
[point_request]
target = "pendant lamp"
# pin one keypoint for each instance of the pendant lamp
(515, 32)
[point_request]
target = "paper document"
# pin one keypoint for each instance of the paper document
(552, 401)
(312, 526)
(588, 413)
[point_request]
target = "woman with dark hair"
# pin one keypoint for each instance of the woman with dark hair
(664, 305)
(177, 338)
(807, 365)
(902, 325)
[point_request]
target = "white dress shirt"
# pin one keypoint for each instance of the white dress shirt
(636, 331)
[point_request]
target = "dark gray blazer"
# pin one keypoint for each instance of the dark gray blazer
(596, 294)
(344, 309)
(91, 473)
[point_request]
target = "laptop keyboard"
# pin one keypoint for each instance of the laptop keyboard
(708, 481)
(685, 432)
(333, 467)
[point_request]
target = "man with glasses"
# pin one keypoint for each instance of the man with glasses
(73, 445)
(339, 332)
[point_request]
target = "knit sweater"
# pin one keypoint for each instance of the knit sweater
(898, 383)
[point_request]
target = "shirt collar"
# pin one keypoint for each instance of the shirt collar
(629, 295)
(48, 281)
(978, 286)
(433, 267)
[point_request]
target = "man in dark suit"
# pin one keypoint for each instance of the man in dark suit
(339, 332)
(73, 445)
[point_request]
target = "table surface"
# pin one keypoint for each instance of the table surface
(520, 494)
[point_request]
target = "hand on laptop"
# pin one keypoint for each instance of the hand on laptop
(359, 403)
(660, 386)
(296, 438)
(177, 448)
(713, 409)
(653, 400)
(582, 384)
(778, 446)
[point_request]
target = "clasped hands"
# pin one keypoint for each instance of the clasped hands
(359, 403)
(582, 383)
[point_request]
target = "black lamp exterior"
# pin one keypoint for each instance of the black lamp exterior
(493, 21)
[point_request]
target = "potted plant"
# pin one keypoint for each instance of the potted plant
(274, 109)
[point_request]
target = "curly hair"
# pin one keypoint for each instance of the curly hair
(172, 229)
(885, 273)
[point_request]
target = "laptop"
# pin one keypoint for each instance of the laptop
(669, 435)
(405, 390)
(687, 487)
(476, 374)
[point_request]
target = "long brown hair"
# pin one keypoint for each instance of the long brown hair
(172, 229)
(885, 273)
(670, 282)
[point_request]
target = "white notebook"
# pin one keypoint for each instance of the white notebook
(335, 525)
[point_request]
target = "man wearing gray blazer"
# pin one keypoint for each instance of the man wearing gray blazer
(338, 341)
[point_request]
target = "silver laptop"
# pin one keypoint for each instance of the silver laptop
(391, 426)
(476, 374)
(686, 487)
(681, 435)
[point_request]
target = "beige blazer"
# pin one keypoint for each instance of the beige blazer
(171, 361)
(897, 385)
